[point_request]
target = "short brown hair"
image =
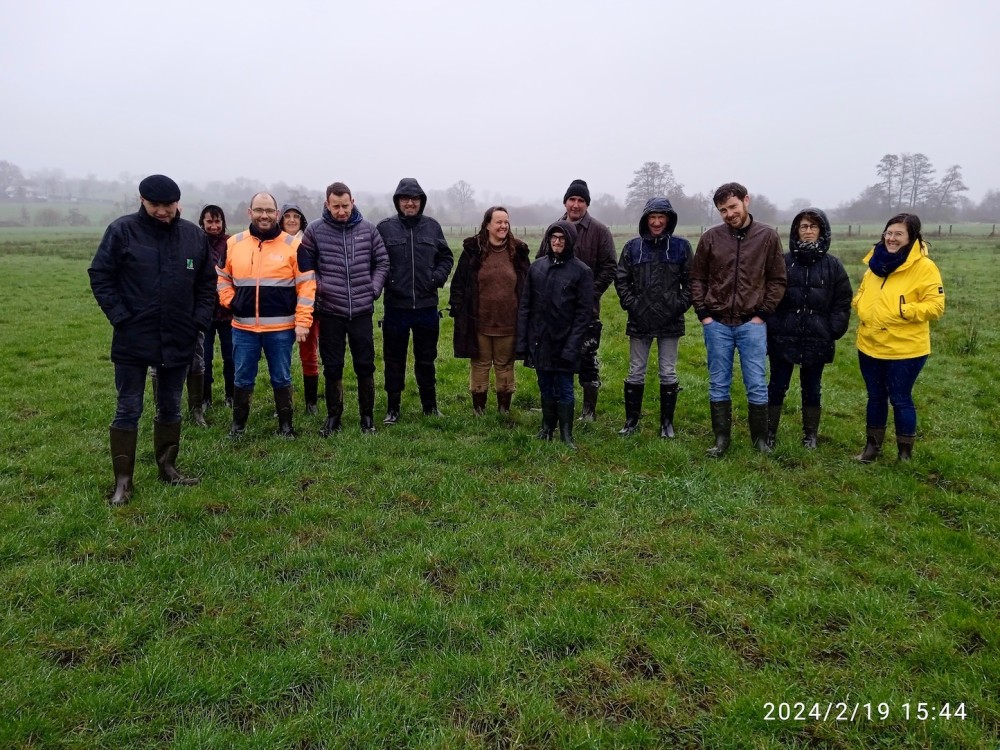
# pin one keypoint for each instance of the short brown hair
(727, 191)
(338, 188)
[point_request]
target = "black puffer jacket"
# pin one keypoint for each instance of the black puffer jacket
(652, 279)
(816, 308)
(156, 284)
(419, 257)
(556, 308)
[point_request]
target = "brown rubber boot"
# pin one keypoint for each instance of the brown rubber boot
(479, 403)
(503, 401)
(196, 398)
(123, 462)
(873, 445)
(904, 444)
(166, 443)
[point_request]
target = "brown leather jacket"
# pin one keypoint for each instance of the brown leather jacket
(736, 275)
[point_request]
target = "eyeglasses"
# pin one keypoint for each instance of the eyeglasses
(264, 211)
(808, 226)
(557, 238)
(409, 199)
(894, 235)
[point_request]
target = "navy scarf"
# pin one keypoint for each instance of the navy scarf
(883, 262)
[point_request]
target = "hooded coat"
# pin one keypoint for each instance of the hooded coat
(556, 308)
(285, 208)
(350, 262)
(420, 259)
(464, 298)
(155, 282)
(652, 278)
(816, 309)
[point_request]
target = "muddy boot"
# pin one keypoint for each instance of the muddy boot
(429, 402)
(589, 411)
(773, 420)
(310, 390)
(479, 403)
(503, 401)
(633, 407)
(904, 444)
(668, 404)
(123, 463)
(166, 443)
(241, 411)
(873, 445)
(195, 387)
(758, 419)
(283, 405)
(550, 418)
(334, 407)
(395, 399)
(810, 426)
(722, 427)
(366, 405)
(565, 414)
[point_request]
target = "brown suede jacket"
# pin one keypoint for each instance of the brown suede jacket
(736, 275)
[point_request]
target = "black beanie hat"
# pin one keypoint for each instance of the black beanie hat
(159, 188)
(579, 189)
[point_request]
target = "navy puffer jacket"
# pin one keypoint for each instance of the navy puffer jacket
(816, 309)
(350, 261)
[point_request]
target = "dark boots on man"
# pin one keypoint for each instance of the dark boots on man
(722, 427)
(241, 411)
(166, 443)
(633, 408)
(123, 462)
(283, 407)
(668, 404)
(334, 407)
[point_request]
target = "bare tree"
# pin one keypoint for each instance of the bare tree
(460, 196)
(889, 171)
(921, 180)
(649, 181)
(947, 192)
(10, 175)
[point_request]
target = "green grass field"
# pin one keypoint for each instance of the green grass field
(454, 583)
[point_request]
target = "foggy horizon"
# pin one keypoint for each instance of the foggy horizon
(792, 101)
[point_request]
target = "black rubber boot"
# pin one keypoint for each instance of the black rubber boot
(479, 403)
(589, 411)
(334, 407)
(429, 401)
(196, 397)
(395, 399)
(633, 407)
(283, 406)
(123, 463)
(310, 390)
(550, 418)
(810, 426)
(904, 444)
(166, 443)
(722, 427)
(366, 404)
(565, 415)
(773, 420)
(873, 445)
(241, 411)
(503, 401)
(668, 404)
(757, 417)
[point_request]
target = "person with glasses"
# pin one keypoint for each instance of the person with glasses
(269, 287)
(553, 318)
(154, 279)
(812, 316)
(419, 264)
(900, 294)
(348, 255)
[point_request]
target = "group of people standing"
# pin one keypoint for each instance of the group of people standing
(170, 289)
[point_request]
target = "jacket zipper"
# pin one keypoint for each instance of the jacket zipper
(413, 272)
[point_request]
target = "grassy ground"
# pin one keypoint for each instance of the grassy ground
(453, 583)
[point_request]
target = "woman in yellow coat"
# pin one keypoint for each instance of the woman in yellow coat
(900, 294)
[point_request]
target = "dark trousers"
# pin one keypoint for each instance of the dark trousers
(556, 386)
(810, 381)
(130, 382)
(590, 364)
(396, 326)
(891, 381)
(224, 330)
(335, 333)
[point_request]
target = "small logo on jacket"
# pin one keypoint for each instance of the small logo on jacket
(190, 264)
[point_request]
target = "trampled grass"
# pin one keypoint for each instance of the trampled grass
(454, 583)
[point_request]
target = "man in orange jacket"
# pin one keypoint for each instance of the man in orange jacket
(271, 299)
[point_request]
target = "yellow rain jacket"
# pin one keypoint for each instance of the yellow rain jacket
(895, 312)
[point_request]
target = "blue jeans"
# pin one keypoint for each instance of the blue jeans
(810, 381)
(277, 347)
(556, 386)
(722, 341)
(130, 382)
(891, 380)
(224, 330)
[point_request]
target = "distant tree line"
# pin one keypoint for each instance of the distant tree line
(904, 181)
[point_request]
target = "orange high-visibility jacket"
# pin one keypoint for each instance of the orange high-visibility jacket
(262, 284)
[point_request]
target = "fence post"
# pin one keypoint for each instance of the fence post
(849, 226)
(949, 230)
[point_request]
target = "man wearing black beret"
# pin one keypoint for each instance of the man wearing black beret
(596, 248)
(154, 279)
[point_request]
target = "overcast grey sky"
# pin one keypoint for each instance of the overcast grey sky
(795, 99)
